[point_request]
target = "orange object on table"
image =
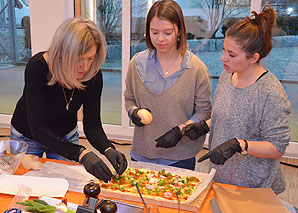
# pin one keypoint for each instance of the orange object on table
(78, 198)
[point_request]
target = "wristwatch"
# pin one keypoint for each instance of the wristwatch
(81, 150)
(244, 152)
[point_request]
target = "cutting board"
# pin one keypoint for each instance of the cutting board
(194, 206)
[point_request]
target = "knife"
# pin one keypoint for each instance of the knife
(114, 173)
(204, 157)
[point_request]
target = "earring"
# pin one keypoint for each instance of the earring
(178, 39)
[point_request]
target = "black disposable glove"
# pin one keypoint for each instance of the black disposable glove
(196, 130)
(117, 159)
(223, 152)
(135, 118)
(169, 139)
(95, 166)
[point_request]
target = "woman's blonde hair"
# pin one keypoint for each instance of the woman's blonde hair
(73, 38)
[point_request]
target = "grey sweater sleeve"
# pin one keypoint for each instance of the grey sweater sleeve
(202, 99)
(129, 96)
(276, 114)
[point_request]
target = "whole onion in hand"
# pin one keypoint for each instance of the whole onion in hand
(145, 115)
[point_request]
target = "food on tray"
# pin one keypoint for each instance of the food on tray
(145, 115)
(31, 162)
(153, 184)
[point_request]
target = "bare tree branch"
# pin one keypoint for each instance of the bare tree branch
(109, 13)
(217, 11)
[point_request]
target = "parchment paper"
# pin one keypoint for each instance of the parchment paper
(77, 177)
(246, 200)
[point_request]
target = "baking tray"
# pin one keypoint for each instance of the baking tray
(194, 205)
(124, 207)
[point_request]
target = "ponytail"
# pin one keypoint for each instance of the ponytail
(254, 34)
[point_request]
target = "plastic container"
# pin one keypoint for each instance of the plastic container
(11, 155)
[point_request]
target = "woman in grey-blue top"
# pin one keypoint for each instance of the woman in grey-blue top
(173, 84)
(249, 129)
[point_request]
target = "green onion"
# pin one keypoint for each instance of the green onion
(39, 206)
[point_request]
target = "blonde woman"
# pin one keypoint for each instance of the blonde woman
(57, 83)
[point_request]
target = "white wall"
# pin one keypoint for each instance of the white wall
(45, 17)
(256, 5)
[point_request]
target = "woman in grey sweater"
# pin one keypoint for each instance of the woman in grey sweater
(173, 84)
(249, 129)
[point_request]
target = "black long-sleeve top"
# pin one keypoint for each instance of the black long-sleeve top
(41, 113)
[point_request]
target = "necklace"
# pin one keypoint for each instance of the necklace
(170, 68)
(70, 99)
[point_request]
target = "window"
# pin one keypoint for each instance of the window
(107, 14)
(15, 51)
(283, 59)
(206, 25)
(124, 31)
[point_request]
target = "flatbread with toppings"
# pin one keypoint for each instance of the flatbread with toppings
(160, 185)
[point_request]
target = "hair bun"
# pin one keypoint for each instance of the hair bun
(265, 19)
(256, 18)
(268, 14)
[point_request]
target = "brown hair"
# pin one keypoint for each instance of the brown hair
(254, 33)
(170, 11)
(73, 38)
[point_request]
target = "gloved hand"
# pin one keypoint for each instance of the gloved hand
(220, 154)
(135, 118)
(95, 166)
(169, 139)
(117, 159)
(196, 130)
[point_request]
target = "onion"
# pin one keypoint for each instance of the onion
(153, 180)
(168, 194)
(145, 115)
(149, 186)
(31, 162)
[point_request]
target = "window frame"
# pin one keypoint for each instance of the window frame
(42, 31)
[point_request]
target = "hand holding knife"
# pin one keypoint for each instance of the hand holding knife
(220, 154)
